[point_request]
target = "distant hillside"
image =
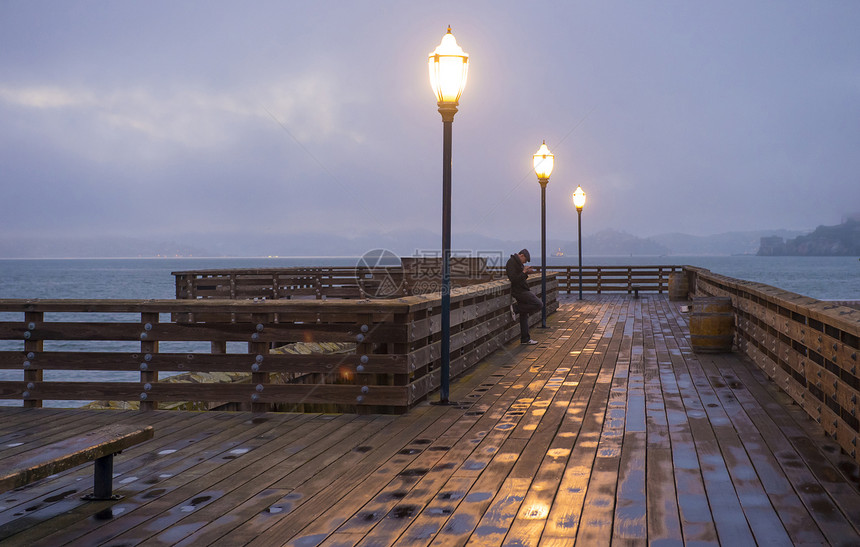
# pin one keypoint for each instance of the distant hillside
(91, 247)
(614, 243)
(728, 243)
(402, 243)
(840, 240)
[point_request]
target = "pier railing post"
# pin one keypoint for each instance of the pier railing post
(255, 348)
(149, 349)
(35, 347)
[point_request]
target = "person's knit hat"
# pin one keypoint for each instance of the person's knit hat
(525, 253)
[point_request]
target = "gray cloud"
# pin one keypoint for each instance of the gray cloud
(157, 118)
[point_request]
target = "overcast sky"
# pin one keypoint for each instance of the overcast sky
(151, 118)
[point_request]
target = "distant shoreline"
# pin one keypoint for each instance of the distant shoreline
(535, 257)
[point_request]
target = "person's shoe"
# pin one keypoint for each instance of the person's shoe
(529, 343)
(513, 313)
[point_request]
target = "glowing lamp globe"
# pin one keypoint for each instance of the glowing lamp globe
(579, 198)
(448, 65)
(543, 162)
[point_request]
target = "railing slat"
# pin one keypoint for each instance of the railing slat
(392, 363)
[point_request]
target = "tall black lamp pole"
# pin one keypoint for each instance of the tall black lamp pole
(543, 163)
(579, 203)
(449, 65)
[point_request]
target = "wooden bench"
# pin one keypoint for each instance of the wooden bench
(635, 289)
(98, 446)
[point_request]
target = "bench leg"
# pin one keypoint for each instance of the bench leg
(102, 480)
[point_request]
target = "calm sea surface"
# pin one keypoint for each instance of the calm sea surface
(825, 278)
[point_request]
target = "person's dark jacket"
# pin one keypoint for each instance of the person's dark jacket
(514, 270)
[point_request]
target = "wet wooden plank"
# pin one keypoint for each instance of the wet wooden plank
(630, 521)
(452, 516)
(722, 438)
(725, 498)
(390, 509)
(286, 497)
(222, 473)
(611, 424)
(383, 520)
(697, 522)
(193, 452)
(550, 445)
(12, 424)
(37, 434)
(468, 458)
(335, 489)
(663, 519)
(822, 490)
(495, 522)
(468, 455)
(598, 512)
(565, 518)
(251, 490)
(338, 495)
(771, 505)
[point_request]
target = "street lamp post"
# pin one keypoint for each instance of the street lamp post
(448, 65)
(579, 203)
(543, 163)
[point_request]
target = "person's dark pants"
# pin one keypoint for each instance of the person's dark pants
(526, 303)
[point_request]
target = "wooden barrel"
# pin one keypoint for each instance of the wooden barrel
(712, 324)
(678, 286)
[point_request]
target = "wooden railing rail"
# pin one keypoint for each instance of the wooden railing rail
(361, 282)
(394, 365)
(312, 283)
(607, 279)
(275, 283)
(808, 347)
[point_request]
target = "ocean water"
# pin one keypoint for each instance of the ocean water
(825, 278)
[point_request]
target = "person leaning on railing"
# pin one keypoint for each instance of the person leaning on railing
(525, 301)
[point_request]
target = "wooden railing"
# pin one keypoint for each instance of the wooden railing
(327, 282)
(274, 283)
(395, 363)
(361, 282)
(810, 348)
(604, 279)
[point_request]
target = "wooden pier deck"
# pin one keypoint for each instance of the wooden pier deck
(611, 430)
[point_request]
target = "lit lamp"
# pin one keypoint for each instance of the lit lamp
(543, 162)
(448, 65)
(579, 203)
